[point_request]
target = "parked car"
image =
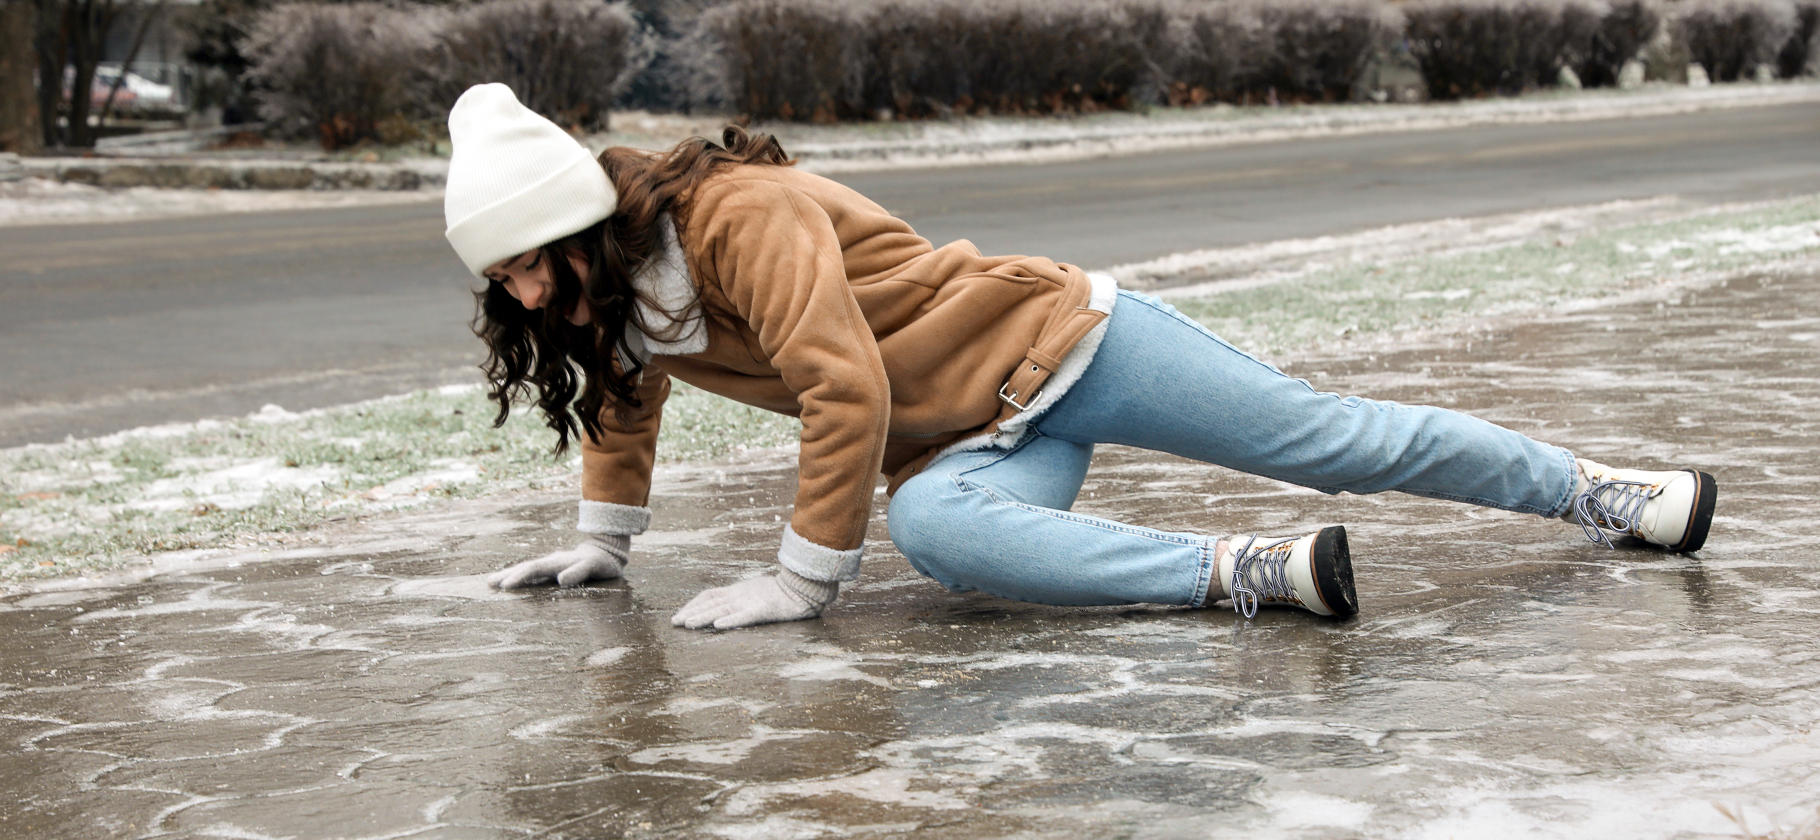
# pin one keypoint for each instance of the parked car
(137, 93)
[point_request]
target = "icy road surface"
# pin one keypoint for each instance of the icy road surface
(1505, 678)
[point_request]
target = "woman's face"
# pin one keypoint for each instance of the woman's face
(527, 279)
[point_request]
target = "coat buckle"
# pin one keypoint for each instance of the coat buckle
(1011, 399)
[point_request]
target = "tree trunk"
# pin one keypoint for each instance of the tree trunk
(53, 54)
(19, 129)
(88, 23)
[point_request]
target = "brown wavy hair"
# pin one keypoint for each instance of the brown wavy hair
(575, 371)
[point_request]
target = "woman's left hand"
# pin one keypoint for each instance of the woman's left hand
(785, 596)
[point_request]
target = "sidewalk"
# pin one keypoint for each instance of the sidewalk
(1504, 678)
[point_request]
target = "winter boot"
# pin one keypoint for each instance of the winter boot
(1672, 509)
(1312, 572)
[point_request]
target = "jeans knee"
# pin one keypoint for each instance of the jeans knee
(913, 522)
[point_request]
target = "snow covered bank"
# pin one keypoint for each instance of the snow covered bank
(1387, 282)
(85, 506)
(40, 201)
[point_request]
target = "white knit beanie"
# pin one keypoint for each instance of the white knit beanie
(516, 180)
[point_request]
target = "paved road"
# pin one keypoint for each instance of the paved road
(104, 327)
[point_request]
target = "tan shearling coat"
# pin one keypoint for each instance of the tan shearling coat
(823, 306)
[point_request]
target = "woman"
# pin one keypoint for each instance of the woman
(978, 385)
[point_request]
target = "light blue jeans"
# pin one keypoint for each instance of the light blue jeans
(998, 520)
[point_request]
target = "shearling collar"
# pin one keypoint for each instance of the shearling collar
(677, 315)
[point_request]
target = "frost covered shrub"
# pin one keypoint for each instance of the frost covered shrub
(566, 59)
(1626, 28)
(1050, 57)
(1318, 49)
(371, 71)
(787, 59)
(825, 60)
(1220, 51)
(1730, 38)
(338, 71)
(1301, 50)
(1482, 47)
(1800, 55)
(921, 59)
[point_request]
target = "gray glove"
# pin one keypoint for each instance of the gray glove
(786, 596)
(599, 557)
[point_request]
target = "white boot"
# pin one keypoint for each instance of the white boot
(1670, 508)
(1312, 572)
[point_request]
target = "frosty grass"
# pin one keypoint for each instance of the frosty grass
(87, 506)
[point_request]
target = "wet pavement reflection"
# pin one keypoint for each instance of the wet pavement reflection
(1504, 678)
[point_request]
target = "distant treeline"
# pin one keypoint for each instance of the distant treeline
(385, 71)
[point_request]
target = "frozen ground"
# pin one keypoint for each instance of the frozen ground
(88, 506)
(858, 147)
(1504, 679)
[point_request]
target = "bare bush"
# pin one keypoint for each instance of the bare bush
(1038, 57)
(566, 59)
(922, 59)
(367, 71)
(1800, 55)
(1482, 47)
(787, 59)
(338, 71)
(1296, 51)
(1220, 51)
(1731, 38)
(822, 60)
(1627, 27)
(1321, 48)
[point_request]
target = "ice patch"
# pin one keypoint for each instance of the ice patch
(461, 654)
(774, 827)
(272, 413)
(1770, 240)
(823, 668)
(232, 488)
(721, 752)
(473, 587)
(1300, 809)
(542, 728)
(189, 605)
(605, 658)
(889, 786)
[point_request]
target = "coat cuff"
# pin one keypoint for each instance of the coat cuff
(818, 562)
(609, 518)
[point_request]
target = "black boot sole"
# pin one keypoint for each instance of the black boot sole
(1700, 522)
(1331, 560)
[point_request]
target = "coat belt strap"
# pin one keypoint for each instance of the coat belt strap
(1025, 384)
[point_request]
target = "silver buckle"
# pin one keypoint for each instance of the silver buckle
(1012, 398)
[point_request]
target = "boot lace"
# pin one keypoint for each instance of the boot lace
(1611, 509)
(1265, 566)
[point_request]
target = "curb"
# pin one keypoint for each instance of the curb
(236, 175)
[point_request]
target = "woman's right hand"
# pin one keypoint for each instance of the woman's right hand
(599, 557)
